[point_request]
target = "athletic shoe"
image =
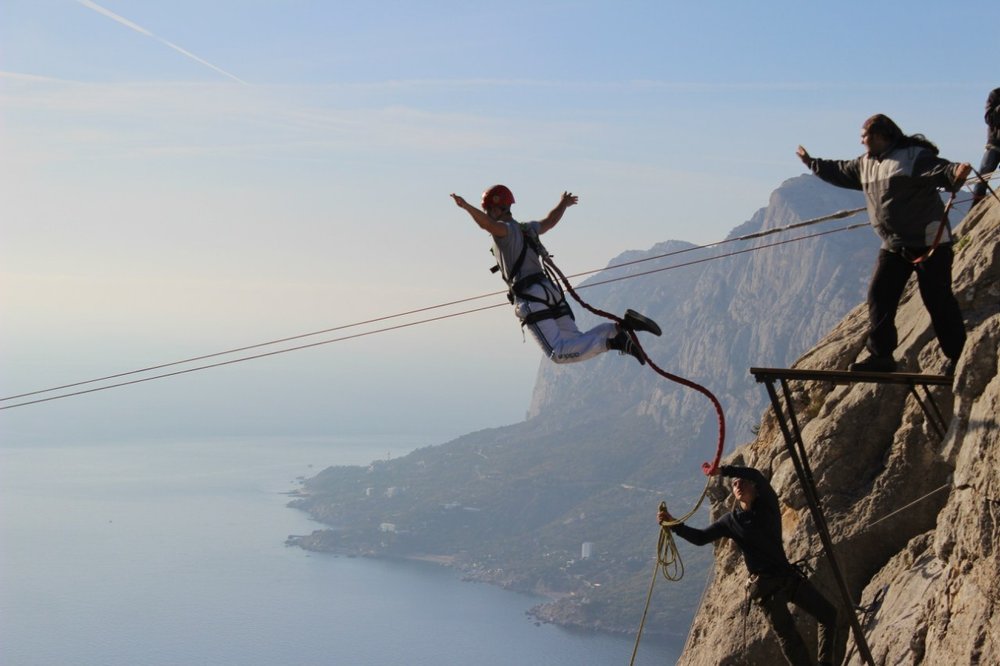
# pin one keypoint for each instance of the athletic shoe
(623, 344)
(637, 322)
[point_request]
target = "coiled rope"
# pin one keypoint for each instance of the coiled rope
(668, 561)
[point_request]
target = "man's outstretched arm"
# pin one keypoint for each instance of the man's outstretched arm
(552, 219)
(484, 221)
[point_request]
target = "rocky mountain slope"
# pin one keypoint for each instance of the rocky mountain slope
(914, 519)
(606, 440)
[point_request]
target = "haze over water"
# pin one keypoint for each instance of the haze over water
(172, 552)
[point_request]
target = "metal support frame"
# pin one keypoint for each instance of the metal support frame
(796, 450)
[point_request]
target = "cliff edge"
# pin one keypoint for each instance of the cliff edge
(914, 518)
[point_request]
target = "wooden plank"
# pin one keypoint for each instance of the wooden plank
(848, 377)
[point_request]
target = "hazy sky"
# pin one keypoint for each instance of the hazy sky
(179, 178)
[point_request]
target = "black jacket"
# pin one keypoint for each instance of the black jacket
(757, 531)
(992, 118)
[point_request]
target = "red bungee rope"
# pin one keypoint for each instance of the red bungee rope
(708, 468)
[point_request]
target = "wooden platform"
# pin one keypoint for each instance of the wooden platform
(849, 377)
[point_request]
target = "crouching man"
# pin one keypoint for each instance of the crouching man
(755, 526)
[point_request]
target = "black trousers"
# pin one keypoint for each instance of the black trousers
(892, 271)
(991, 158)
(773, 596)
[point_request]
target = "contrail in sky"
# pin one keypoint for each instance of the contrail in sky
(138, 28)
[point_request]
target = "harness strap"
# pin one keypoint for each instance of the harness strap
(527, 281)
(940, 232)
(561, 310)
(531, 240)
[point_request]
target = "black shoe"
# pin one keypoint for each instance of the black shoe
(874, 364)
(637, 322)
(949, 367)
(623, 343)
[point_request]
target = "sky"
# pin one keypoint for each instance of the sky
(187, 177)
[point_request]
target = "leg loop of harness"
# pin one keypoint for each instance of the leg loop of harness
(561, 310)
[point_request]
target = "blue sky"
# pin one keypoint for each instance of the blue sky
(179, 178)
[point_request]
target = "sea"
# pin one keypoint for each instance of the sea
(172, 552)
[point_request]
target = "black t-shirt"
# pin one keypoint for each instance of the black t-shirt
(756, 531)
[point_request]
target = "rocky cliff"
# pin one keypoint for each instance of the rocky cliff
(914, 519)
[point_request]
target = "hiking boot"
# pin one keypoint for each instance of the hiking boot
(874, 364)
(637, 322)
(623, 344)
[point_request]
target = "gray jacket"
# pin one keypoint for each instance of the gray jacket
(900, 188)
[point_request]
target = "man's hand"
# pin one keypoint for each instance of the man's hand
(462, 203)
(663, 516)
(803, 155)
(565, 201)
(961, 173)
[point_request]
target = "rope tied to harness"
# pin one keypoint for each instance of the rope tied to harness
(709, 468)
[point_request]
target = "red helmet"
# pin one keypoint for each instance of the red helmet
(498, 195)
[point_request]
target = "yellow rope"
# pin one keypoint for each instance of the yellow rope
(668, 560)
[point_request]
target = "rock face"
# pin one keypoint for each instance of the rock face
(914, 519)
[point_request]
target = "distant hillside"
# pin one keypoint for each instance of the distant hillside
(606, 440)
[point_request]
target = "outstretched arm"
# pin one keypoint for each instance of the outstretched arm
(939, 172)
(568, 199)
(842, 173)
(484, 221)
(698, 537)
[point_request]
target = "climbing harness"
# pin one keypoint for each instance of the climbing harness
(554, 297)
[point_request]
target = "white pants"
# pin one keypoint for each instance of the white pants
(560, 338)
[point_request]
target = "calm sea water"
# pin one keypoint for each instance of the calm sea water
(172, 553)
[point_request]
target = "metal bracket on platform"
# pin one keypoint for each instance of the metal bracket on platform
(796, 449)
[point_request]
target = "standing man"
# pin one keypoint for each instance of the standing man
(992, 155)
(538, 301)
(899, 176)
(755, 526)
